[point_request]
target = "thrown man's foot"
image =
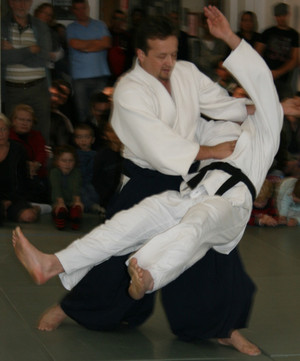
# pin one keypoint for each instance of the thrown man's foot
(51, 319)
(141, 280)
(240, 343)
(37, 264)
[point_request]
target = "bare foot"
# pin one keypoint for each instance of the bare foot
(240, 343)
(40, 266)
(51, 319)
(141, 280)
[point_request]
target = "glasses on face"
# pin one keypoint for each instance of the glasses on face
(24, 120)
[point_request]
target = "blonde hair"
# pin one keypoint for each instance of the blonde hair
(25, 108)
(5, 120)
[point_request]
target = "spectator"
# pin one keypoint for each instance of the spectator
(84, 138)
(88, 41)
(279, 46)
(61, 130)
(45, 13)
(118, 55)
(26, 45)
(183, 38)
(137, 17)
(65, 181)
(211, 52)
(13, 176)
(291, 130)
(23, 119)
(248, 28)
(264, 212)
(288, 202)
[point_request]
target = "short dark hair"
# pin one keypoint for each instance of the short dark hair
(41, 8)
(154, 27)
(84, 126)
(281, 9)
(61, 149)
(78, 2)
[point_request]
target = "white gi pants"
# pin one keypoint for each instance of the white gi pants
(170, 231)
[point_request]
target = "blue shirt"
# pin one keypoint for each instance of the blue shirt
(92, 64)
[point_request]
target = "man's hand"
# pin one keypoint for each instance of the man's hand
(219, 151)
(219, 26)
(34, 49)
(250, 109)
(6, 45)
(291, 106)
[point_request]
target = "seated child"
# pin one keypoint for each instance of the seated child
(65, 181)
(264, 212)
(84, 138)
(288, 202)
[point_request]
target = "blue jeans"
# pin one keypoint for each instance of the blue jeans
(83, 90)
(89, 196)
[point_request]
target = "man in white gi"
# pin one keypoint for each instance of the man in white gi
(173, 230)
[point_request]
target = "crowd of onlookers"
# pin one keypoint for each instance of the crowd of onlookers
(58, 151)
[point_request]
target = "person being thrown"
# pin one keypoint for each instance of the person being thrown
(171, 231)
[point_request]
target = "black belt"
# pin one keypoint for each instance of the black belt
(24, 85)
(236, 176)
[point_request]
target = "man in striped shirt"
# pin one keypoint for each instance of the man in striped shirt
(25, 50)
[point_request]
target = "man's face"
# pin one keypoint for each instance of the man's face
(282, 20)
(22, 122)
(98, 109)
(161, 57)
(81, 11)
(20, 8)
(118, 22)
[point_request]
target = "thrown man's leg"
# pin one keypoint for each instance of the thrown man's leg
(40, 266)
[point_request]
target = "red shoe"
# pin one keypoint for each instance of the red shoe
(60, 218)
(75, 217)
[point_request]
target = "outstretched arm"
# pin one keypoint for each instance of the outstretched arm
(219, 27)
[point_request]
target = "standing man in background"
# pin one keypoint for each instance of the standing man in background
(88, 41)
(25, 52)
(279, 46)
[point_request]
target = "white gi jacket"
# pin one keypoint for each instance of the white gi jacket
(160, 132)
(173, 230)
